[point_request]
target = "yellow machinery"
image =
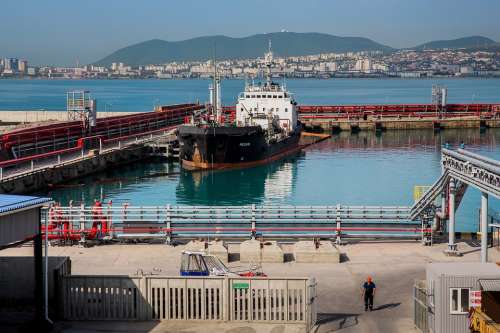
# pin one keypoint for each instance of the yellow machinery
(481, 323)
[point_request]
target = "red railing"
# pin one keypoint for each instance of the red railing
(32, 141)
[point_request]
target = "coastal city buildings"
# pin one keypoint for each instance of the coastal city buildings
(402, 63)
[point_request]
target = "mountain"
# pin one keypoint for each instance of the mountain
(158, 51)
(460, 43)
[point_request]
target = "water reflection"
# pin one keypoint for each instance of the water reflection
(238, 187)
(351, 169)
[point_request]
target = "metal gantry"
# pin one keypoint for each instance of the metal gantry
(461, 169)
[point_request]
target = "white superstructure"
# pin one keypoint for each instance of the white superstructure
(267, 104)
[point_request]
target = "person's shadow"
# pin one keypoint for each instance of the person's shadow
(328, 322)
(386, 306)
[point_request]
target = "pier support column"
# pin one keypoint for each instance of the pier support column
(452, 246)
(484, 227)
(443, 204)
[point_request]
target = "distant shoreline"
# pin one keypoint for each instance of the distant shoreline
(241, 79)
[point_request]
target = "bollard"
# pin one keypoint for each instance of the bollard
(32, 165)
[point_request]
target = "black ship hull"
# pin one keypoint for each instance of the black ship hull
(226, 147)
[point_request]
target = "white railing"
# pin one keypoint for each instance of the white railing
(231, 222)
(286, 300)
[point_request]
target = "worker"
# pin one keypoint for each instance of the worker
(368, 293)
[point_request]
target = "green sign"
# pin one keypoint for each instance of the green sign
(241, 285)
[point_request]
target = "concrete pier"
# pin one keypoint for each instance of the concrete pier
(398, 124)
(64, 172)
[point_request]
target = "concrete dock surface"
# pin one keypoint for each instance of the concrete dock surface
(394, 267)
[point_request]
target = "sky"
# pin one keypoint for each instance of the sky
(67, 32)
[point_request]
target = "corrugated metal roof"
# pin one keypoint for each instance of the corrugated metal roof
(490, 285)
(9, 202)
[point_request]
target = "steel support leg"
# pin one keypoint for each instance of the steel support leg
(484, 227)
(452, 246)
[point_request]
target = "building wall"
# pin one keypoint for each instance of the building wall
(444, 320)
(19, 226)
(17, 279)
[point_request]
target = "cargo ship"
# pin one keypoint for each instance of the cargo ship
(265, 127)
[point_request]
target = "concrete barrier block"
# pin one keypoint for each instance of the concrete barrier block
(218, 249)
(306, 251)
(251, 252)
(195, 246)
(272, 252)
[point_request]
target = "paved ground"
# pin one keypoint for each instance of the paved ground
(394, 266)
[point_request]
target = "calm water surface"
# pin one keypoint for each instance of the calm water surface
(351, 169)
(142, 95)
(362, 169)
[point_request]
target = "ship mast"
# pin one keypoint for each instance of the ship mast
(215, 92)
(268, 58)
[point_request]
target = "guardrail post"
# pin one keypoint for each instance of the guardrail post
(169, 225)
(82, 217)
(253, 221)
(226, 299)
(338, 240)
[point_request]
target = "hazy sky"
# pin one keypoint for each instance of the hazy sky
(64, 31)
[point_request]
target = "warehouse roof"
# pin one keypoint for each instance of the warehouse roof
(9, 202)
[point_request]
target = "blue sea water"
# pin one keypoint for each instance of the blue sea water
(142, 95)
(350, 169)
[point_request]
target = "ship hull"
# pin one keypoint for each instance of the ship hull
(232, 147)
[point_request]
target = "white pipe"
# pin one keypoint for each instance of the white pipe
(452, 247)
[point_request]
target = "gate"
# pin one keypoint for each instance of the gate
(287, 300)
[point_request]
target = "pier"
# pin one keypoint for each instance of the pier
(36, 157)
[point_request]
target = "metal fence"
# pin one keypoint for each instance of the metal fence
(420, 306)
(287, 300)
